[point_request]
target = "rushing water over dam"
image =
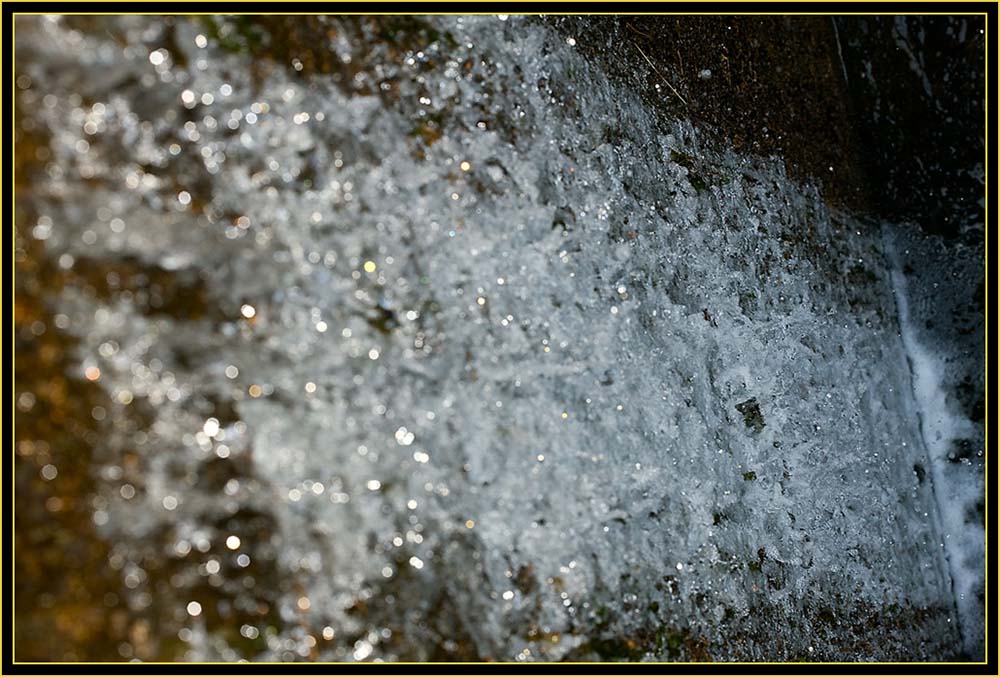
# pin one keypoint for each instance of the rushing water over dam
(434, 343)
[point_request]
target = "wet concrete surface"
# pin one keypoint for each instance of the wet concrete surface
(838, 98)
(917, 88)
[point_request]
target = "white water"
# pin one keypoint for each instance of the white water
(957, 487)
(509, 388)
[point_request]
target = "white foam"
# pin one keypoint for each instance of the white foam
(956, 489)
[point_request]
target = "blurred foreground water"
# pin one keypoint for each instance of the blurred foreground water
(419, 339)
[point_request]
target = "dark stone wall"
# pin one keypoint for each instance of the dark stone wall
(917, 86)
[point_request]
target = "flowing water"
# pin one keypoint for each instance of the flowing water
(441, 346)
